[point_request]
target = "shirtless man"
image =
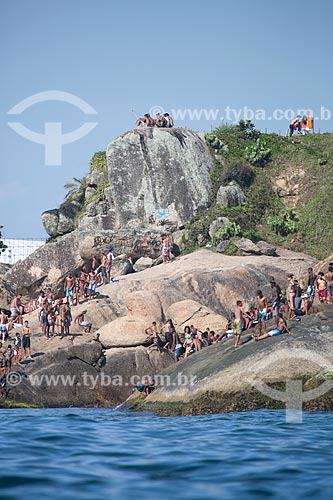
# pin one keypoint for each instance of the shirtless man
(92, 283)
(49, 296)
(321, 287)
(329, 281)
(62, 316)
(79, 319)
(150, 330)
(238, 322)
(69, 287)
(103, 267)
(146, 121)
(110, 258)
(281, 327)
(262, 311)
(26, 333)
(67, 318)
(3, 326)
(16, 308)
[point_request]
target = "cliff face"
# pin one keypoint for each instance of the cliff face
(159, 174)
(150, 181)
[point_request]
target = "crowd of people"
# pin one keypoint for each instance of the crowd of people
(268, 316)
(271, 311)
(160, 121)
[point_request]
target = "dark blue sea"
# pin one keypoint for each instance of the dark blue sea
(104, 454)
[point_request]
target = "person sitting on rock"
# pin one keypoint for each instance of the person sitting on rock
(159, 120)
(146, 121)
(281, 327)
(86, 325)
(188, 345)
(169, 123)
(195, 337)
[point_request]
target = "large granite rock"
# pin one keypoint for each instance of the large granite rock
(47, 265)
(221, 378)
(60, 221)
(85, 375)
(230, 195)
(159, 174)
(200, 289)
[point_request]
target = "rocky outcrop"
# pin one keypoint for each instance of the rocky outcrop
(158, 175)
(199, 289)
(47, 265)
(60, 221)
(221, 378)
(84, 375)
(217, 224)
(261, 248)
(230, 195)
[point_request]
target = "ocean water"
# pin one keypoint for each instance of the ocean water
(99, 453)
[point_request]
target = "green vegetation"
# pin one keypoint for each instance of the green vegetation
(8, 403)
(284, 224)
(296, 215)
(226, 232)
(214, 142)
(258, 154)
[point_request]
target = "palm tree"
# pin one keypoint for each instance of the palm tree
(76, 186)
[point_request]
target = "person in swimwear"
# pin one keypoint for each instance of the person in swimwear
(281, 327)
(69, 288)
(262, 311)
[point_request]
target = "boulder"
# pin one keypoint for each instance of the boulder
(124, 332)
(47, 265)
(60, 221)
(129, 367)
(84, 375)
(261, 248)
(222, 246)
(247, 246)
(230, 195)
(217, 224)
(188, 312)
(159, 176)
(70, 368)
(142, 264)
(266, 248)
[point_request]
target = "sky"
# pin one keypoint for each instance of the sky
(221, 60)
